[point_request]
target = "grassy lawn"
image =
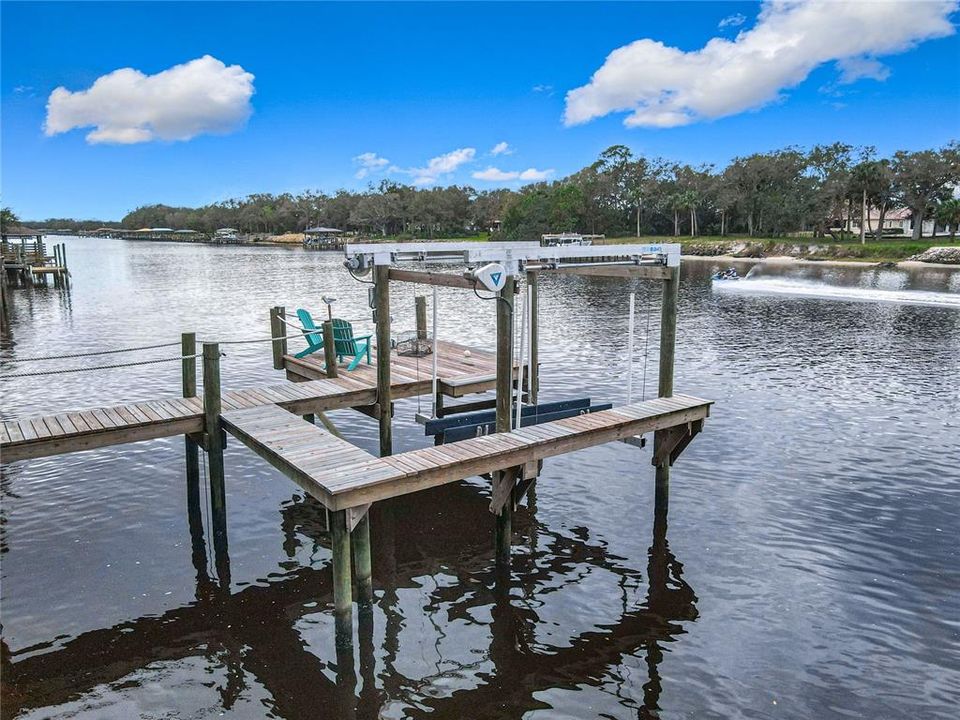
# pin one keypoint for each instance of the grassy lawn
(888, 249)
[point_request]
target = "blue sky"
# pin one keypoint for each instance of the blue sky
(414, 82)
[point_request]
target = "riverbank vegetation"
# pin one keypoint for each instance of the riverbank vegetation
(822, 192)
(888, 250)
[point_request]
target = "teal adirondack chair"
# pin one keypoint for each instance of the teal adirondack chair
(346, 345)
(314, 339)
(344, 342)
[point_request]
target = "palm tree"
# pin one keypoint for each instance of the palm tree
(948, 212)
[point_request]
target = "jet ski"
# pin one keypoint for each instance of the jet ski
(728, 274)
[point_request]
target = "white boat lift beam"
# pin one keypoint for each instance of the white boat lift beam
(516, 257)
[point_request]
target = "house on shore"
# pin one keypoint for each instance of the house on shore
(897, 222)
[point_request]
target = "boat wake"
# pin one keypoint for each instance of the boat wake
(813, 289)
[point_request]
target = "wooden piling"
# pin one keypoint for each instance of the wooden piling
(384, 395)
(188, 351)
(668, 332)
(504, 407)
(533, 380)
(342, 591)
(421, 305)
(278, 332)
(213, 440)
(360, 543)
(329, 350)
(668, 344)
(4, 320)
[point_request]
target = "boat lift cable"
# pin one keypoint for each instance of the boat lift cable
(630, 326)
(416, 347)
(523, 347)
(358, 279)
(436, 350)
(646, 349)
(630, 346)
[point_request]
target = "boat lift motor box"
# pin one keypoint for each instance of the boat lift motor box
(493, 276)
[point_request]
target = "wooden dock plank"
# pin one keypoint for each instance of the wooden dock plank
(78, 422)
(40, 428)
(13, 430)
(26, 429)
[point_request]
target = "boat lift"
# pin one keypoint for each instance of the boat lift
(492, 266)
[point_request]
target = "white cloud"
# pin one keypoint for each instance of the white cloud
(502, 148)
(492, 174)
(735, 20)
(663, 86)
(548, 89)
(126, 106)
(440, 166)
(853, 69)
(369, 162)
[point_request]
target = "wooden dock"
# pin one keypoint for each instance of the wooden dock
(342, 476)
(25, 257)
(34, 437)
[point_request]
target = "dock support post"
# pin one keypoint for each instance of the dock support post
(342, 590)
(198, 546)
(384, 399)
(56, 264)
(504, 533)
(188, 351)
(360, 542)
(668, 344)
(3, 298)
(213, 437)
(278, 332)
(421, 306)
(343, 614)
(329, 350)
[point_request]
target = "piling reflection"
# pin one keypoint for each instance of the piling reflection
(255, 634)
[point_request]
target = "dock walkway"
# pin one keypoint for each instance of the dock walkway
(342, 476)
(34, 437)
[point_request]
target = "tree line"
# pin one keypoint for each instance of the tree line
(821, 190)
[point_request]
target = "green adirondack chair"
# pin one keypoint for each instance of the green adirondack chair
(312, 334)
(344, 342)
(346, 345)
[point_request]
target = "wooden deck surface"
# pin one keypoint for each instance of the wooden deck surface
(34, 437)
(457, 374)
(342, 476)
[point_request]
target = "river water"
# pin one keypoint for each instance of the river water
(808, 567)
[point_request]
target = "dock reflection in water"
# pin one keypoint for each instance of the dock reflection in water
(255, 635)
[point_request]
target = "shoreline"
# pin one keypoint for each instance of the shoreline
(786, 260)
